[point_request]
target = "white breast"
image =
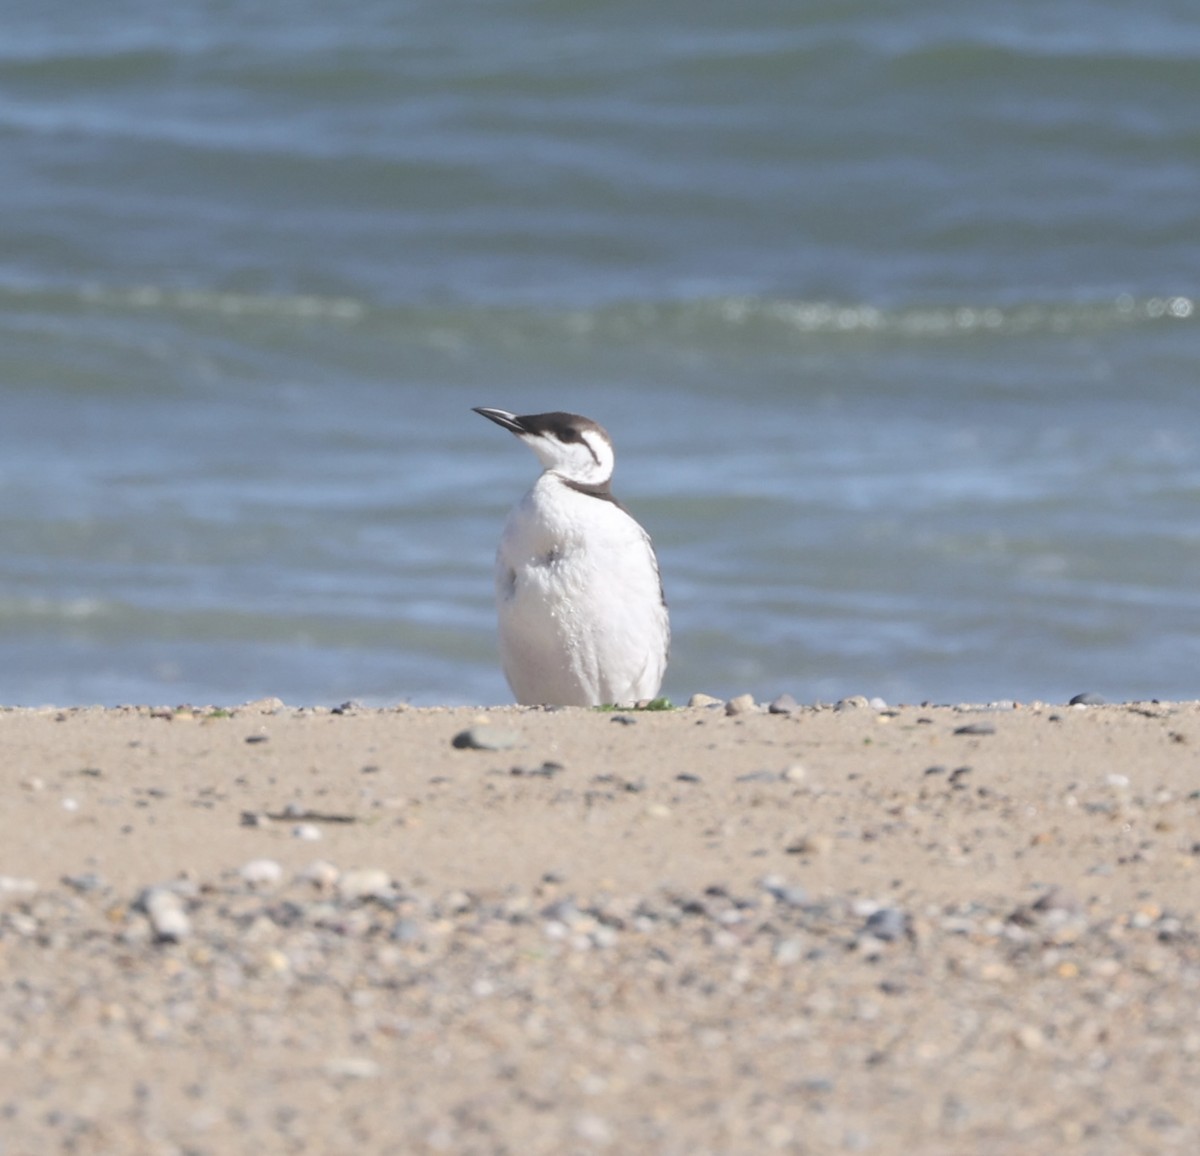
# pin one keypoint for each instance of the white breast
(582, 619)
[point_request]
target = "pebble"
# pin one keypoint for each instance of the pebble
(12, 885)
(486, 738)
(810, 845)
(309, 832)
(365, 883)
(979, 728)
(547, 770)
(352, 1068)
(888, 923)
(740, 704)
(782, 892)
(406, 931)
(164, 908)
(852, 703)
(795, 773)
(759, 777)
(320, 873)
(704, 700)
(784, 704)
(1087, 698)
(1057, 899)
(261, 873)
(270, 705)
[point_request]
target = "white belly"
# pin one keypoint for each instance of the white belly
(582, 620)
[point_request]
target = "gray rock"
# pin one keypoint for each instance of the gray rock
(1057, 899)
(784, 704)
(1087, 699)
(85, 882)
(486, 738)
(888, 923)
(406, 931)
(783, 892)
(979, 728)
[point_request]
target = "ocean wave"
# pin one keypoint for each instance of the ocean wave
(628, 319)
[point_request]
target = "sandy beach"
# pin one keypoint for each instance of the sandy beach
(708, 930)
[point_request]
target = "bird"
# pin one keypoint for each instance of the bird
(582, 615)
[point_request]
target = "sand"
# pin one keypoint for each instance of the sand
(834, 930)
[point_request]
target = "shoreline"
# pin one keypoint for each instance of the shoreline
(855, 929)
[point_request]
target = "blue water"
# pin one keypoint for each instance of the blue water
(890, 310)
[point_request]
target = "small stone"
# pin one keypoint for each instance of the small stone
(877, 703)
(485, 738)
(758, 777)
(782, 892)
(320, 873)
(795, 773)
(365, 883)
(810, 845)
(264, 705)
(309, 832)
(261, 873)
(888, 923)
(625, 720)
(594, 1130)
(352, 1068)
(70, 805)
(784, 704)
(704, 700)
(1087, 698)
(788, 951)
(164, 909)
(85, 882)
(688, 777)
(979, 728)
(252, 739)
(12, 885)
(547, 770)
(854, 702)
(1057, 899)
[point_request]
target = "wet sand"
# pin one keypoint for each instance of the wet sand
(832, 930)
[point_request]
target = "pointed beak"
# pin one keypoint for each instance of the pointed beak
(502, 417)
